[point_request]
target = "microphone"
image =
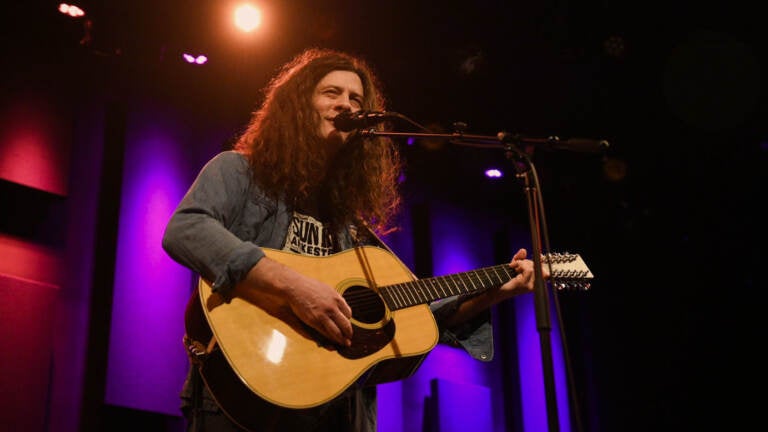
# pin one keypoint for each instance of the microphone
(348, 121)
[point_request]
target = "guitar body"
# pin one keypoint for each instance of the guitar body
(266, 352)
(244, 407)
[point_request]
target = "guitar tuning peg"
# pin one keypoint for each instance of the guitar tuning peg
(570, 284)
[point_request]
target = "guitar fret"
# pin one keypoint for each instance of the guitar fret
(456, 284)
(500, 278)
(440, 284)
(474, 287)
(491, 278)
(464, 280)
(403, 290)
(426, 293)
(416, 293)
(494, 277)
(409, 297)
(490, 274)
(435, 287)
(392, 291)
(450, 284)
(385, 294)
(482, 278)
(422, 298)
(398, 295)
(432, 292)
(445, 289)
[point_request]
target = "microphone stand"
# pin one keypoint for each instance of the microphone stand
(525, 170)
(536, 218)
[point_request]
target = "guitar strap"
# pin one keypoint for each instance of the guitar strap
(197, 353)
(383, 245)
(197, 350)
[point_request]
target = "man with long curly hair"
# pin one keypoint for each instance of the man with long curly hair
(295, 183)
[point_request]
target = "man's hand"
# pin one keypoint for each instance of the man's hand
(523, 282)
(315, 303)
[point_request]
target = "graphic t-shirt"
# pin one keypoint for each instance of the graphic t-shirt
(308, 236)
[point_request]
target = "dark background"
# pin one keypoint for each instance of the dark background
(669, 220)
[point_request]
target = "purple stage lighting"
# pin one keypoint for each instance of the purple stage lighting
(189, 58)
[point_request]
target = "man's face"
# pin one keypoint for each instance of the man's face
(336, 92)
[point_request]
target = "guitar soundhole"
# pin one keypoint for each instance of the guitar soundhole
(367, 306)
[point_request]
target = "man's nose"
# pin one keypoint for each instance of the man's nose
(344, 103)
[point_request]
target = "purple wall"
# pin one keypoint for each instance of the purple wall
(147, 362)
(146, 357)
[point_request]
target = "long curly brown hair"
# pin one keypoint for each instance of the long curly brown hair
(359, 185)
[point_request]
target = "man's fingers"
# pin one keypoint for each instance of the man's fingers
(346, 329)
(521, 254)
(337, 328)
(345, 309)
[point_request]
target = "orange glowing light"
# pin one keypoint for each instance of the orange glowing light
(247, 17)
(71, 10)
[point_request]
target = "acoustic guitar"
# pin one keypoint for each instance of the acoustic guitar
(268, 366)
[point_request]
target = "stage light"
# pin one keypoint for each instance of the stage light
(247, 17)
(493, 173)
(71, 10)
(189, 58)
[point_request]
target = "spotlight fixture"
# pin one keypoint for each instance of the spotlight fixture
(199, 60)
(71, 10)
(247, 17)
(493, 173)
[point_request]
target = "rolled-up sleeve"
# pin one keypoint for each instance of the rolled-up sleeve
(198, 234)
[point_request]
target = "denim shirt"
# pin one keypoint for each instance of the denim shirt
(223, 221)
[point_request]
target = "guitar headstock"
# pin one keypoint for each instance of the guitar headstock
(568, 271)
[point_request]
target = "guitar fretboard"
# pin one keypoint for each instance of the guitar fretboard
(566, 271)
(407, 294)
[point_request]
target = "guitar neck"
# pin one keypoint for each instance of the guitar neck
(420, 291)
